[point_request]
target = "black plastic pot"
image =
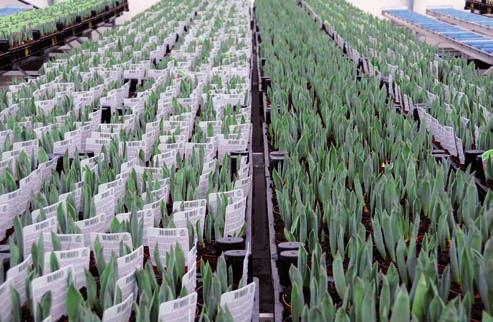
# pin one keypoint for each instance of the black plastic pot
(235, 161)
(276, 159)
(268, 113)
(234, 258)
(285, 246)
(4, 45)
(78, 19)
(106, 8)
(133, 85)
(397, 108)
(5, 260)
(439, 154)
(266, 82)
(59, 165)
(36, 34)
(441, 157)
(229, 243)
(5, 248)
(105, 114)
(286, 259)
(473, 159)
(93, 13)
(268, 117)
(416, 116)
(60, 26)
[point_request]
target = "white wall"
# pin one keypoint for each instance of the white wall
(39, 3)
(135, 7)
(421, 5)
(11, 3)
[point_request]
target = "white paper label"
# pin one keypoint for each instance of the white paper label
(78, 259)
(128, 286)
(67, 241)
(240, 303)
(165, 238)
(120, 312)
(179, 310)
(5, 302)
(17, 276)
(56, 283)
(131, 262)
(94, 224)
(234, 218)
(31, 233)
(189, 280)
(111, 243)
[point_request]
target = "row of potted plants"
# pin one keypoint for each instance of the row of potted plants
(384, 231)
(451, 89)
(28, 25)
(157, 172)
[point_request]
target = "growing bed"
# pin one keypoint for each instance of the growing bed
(125, 174)
(385, 231)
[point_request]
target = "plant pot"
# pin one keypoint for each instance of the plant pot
(235, 258)
(285, 246)
(60, 26)
(93, 13)
(4, 45)
(78, 19)
(5, 261)
(286, 302)
(105, 114)
(276, 159)
(229, 243)
(235, 162)
(36, 34)
(478, 161)
(286, 259)
(211, 259)
(268, 117)
(5, 248)
(266, 83)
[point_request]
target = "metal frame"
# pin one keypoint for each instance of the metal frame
(434, 38)
(461, 23)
